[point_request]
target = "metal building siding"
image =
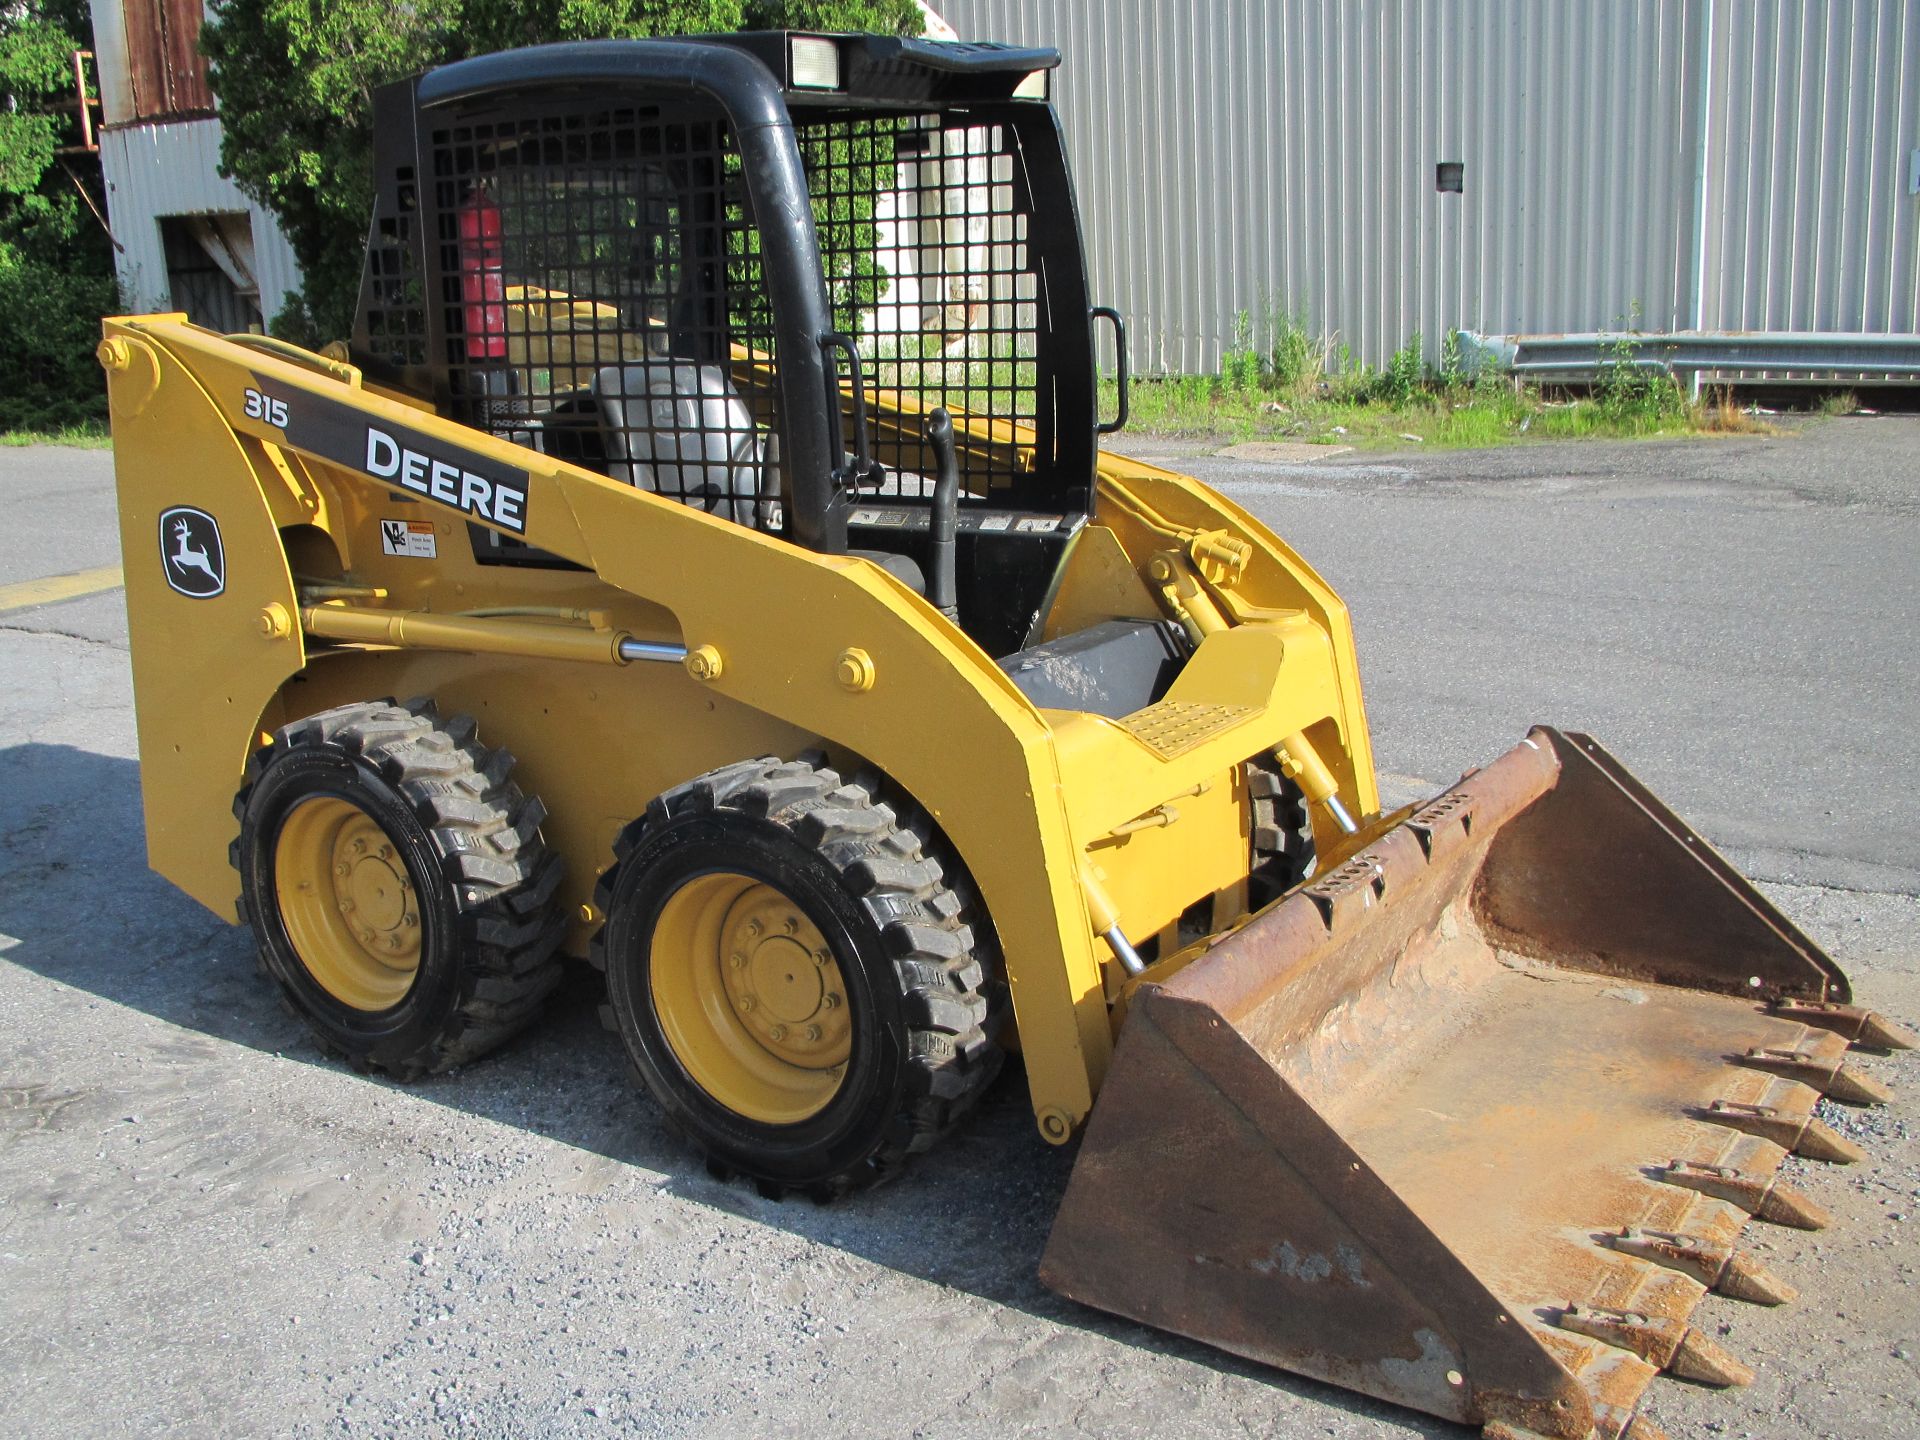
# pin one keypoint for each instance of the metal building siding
(111, 67)
(147, 56)
(1236, 154)
(173, 169)
(1812, 113)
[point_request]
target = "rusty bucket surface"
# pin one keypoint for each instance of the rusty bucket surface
(1472, 1122)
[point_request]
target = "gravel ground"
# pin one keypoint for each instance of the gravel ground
(207, 1229)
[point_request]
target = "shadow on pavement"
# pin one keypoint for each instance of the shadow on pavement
(76, 894)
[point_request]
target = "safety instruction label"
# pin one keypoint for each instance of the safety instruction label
(407, 537)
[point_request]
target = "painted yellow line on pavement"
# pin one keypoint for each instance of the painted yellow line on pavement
(25, 594)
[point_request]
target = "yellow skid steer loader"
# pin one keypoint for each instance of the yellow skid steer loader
(719, 437)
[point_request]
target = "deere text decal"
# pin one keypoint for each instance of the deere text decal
(443, 477)
(400, 456)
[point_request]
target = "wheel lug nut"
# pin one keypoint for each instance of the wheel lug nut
(410, 919)
(745, 1003)
(822, 957)
(737, 960)
(346, 905)
(753, 927)
(778, 1032)
(813, 1032)
(359, 847)
(343, 868)
(831, 1000)
(792, 925)
(386, 852)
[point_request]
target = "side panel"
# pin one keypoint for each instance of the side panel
(780, 619)
(203, 670)
(1276, 579)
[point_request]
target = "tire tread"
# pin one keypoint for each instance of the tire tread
(486, 835)
(887, 866)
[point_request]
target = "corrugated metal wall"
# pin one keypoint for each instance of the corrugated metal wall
(157, 170)
(168, 169)
(1813, 113)
(1241, 155)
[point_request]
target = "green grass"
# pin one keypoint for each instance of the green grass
(1383, 409)
(1283, 381)
(89, 436)
(1197, 408)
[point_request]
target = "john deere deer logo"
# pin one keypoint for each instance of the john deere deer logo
(190, 553)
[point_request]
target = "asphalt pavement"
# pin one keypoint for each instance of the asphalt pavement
(206, 1228)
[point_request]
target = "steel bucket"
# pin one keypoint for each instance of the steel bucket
(1471, 1122)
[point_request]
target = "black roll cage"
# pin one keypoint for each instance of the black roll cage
(733, 74)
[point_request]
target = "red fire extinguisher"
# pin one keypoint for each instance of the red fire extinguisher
(483, 280)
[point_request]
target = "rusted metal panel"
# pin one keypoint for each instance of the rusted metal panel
(1601, 875)
(1469, 1122)
(188, 92)
(165, 70)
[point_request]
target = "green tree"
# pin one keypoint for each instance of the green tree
(295, 81)
(55, 269)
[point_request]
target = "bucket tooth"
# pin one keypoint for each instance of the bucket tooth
(1718, 1267)
(1672, 1345)
(1851, 1087)
(1747, 1279)
(1829, 1077)
(1851, 1022)
(1700, 1359)
(1802, 1134)
(1767, 1199)
(1820, 1141)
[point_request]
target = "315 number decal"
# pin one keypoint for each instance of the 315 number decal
(265, 407)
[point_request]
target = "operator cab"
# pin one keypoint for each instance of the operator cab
(745, 271)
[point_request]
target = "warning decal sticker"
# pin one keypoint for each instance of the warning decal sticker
(408, 537)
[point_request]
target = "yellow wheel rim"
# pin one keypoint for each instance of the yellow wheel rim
(347, 903)
(751, 998)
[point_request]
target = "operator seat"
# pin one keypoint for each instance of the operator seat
(680, 429)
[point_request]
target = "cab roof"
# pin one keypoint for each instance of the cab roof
(809, 70)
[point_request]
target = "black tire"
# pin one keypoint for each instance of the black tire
(482, 881)
(1281, 835)
(920, 1054)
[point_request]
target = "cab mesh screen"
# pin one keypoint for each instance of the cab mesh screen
(603, 297)
(923, 222)
(603, 300)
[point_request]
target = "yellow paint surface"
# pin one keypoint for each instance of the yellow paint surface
(49, 589)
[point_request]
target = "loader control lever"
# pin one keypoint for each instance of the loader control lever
(944, 517)
(864, 469)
